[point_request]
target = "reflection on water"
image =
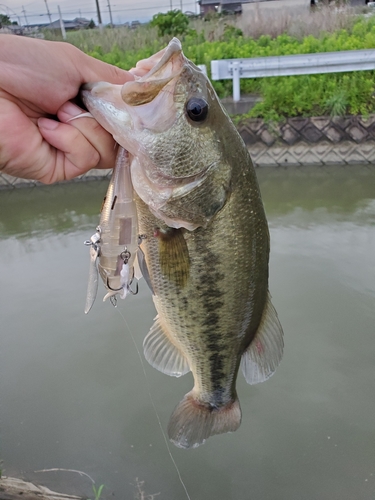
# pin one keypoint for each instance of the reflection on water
(73, 393)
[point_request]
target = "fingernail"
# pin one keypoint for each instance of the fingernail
(71, 109)
(48, 124)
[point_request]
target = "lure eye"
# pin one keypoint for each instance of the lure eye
(197, 109)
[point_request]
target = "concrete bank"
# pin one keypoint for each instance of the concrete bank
(15, 489)
(297, 141)
(311, 141)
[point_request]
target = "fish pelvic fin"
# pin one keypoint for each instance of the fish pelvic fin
(264, 354)
(193, 421)
(142, 268)
(162, 354)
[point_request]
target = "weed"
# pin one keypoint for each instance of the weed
(97, 491)
(140, 493)
(337, 103)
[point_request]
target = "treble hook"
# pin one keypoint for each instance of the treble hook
(113, 289)
(125, 255)
(133, 292)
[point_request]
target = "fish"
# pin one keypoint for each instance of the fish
(206, 239)
(114, 245)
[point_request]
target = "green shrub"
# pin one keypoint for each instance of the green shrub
(172, 23)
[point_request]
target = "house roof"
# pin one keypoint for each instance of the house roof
(209, 2)
(78, 22)
(221, 2)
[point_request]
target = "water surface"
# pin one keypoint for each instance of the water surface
(73, 391)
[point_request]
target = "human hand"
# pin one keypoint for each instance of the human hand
(37, 81)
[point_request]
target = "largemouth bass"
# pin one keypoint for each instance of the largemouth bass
(206, 240)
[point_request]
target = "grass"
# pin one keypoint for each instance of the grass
(97, 491)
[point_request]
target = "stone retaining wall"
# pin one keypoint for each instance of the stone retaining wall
(298, 141)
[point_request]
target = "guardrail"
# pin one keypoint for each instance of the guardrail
(301, 64)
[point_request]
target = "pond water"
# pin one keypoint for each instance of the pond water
(74, 393)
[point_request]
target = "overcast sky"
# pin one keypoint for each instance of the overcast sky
(122, 10)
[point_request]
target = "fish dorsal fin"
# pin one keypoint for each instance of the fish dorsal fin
(162, 354)
(264, 354)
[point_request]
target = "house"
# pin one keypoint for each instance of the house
(274, 8)
(206, 6)
(76, 24)
(239, 7)
(228, 6)
(11, 29)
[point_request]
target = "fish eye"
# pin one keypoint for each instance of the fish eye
(197, 109)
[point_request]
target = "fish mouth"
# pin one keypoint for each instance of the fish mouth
(164, 66)
(169, 65)
(124, 110)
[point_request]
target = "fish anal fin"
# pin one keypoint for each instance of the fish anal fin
(173, 255)
(162, 354)
(192, 421)
(264, 354)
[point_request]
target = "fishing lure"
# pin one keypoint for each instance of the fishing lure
(114, 246)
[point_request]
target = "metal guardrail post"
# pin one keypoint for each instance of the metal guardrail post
(236, 81)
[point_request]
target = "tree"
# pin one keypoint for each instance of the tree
(4, 20)
(172, 23)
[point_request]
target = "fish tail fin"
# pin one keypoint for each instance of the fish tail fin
(193, 421)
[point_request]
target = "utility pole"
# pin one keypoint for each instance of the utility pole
(181, 5)
(24, 13)
(99, 15)
(110, 14)
(170, 1)
(48, 12)
(63, 32)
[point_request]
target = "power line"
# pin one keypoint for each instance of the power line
(125, 9)
(89, 12)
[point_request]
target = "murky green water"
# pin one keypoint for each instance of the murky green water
(73, 392)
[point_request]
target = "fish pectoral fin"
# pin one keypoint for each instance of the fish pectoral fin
(174, 255)
(162, 354)
(264, 354)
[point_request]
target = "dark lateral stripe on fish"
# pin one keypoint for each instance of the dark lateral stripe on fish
(211, 292)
